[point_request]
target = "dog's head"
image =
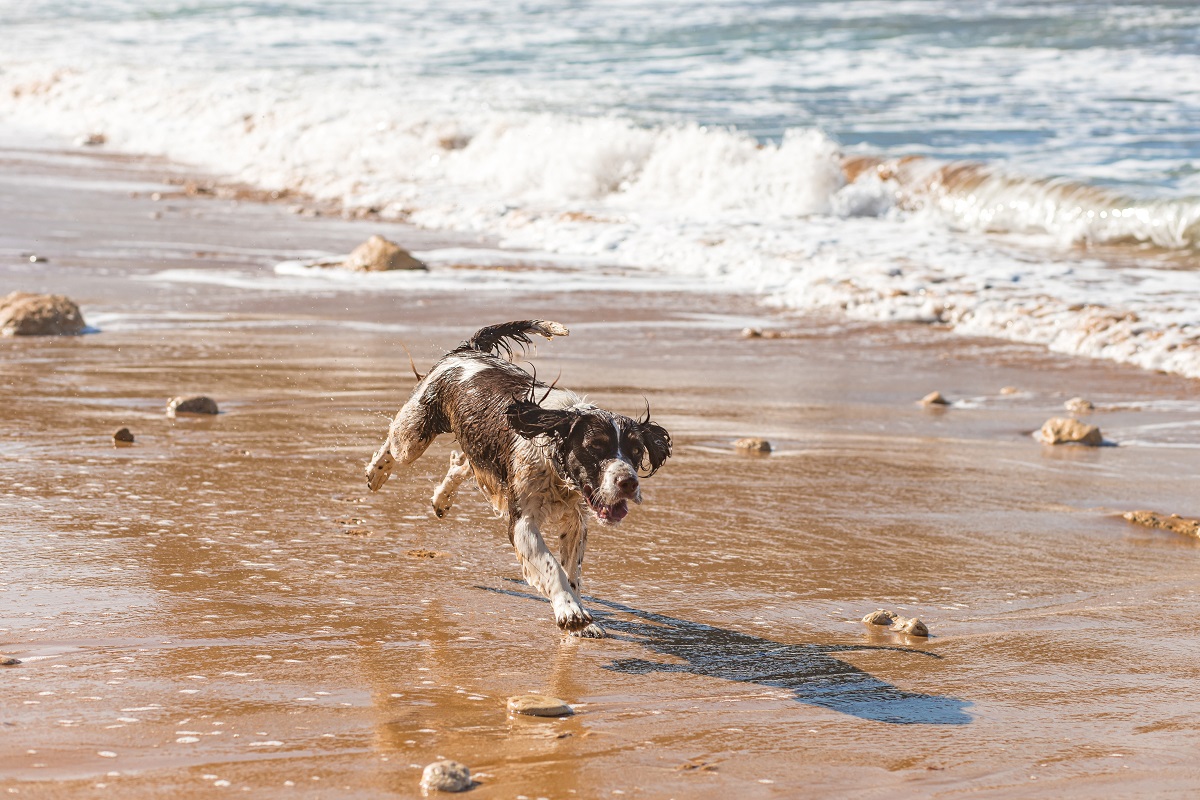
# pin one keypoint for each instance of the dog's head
(596, 451)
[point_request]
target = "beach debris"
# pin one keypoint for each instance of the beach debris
(1171, 522)
(195, 404)
(881, 617)
(9, 661)
(759, 333)
(446, 776)
(378, 254)
(34, 258)
(1077, 405)
(123, 436)
(1064, 430)
(752, 444)
(91, 140)
(25, 314)
(934, 399)
(538, 705)
(912, 627)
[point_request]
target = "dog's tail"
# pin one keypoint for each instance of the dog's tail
(497, 338)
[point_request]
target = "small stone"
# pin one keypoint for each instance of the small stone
(1010, 390)
(123, 436)
(1172, 522)
(934, 399)
(880, 617)
(446, 776)
(377, 254)
(1062, 430)
(197, 404)
(538, 705)
(91, 140)
(1077, 405)
(752, 444)
(751, 333)
(912, 627)
(9, 661)
(24, 314)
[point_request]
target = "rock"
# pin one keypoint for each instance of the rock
(1062, 430)
(752, 444)
(123, 436)
(92, 140)
(934, 399)
(759, 333)
(538, 705)
(913, 627)
(1077, 405)
(377, 254)
(1173, 522)
(9, 661)
(446, 776)
(1010, 390)
(197, 404)
(23, 314)
(880, 617)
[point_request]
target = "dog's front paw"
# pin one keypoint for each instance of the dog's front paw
(592, 631)
(379, 470)
(570, 617)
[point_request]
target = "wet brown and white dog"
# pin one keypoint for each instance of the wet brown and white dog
(544, 457)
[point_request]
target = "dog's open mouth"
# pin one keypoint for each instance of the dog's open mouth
(605, 512)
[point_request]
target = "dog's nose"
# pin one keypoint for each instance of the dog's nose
(628, 485)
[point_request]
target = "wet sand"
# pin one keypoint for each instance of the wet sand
(223, 607)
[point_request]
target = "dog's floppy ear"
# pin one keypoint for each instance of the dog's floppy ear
(529, 419)
(658, 444)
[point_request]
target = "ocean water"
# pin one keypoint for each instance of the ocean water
(1028, 170)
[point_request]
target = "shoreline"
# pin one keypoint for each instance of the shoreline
(241, 579)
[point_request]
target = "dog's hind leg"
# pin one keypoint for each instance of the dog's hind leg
(543, 572)
(443, 495)
(409, 435)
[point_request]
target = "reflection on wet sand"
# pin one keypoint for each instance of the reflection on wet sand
(807, 670)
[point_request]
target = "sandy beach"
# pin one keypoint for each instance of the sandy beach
(223, 607)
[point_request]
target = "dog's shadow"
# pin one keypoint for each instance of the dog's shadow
(809, 671)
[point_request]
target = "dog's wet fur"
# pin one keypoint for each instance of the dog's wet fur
(544, 457)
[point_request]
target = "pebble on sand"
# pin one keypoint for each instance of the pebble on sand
(24, 314)
(1077, 405)
(538, 705)
(123, 436)
(197, 404)
(1167, 522)
(9, 661)
(1061, 430)
(913, 627)
(934, 399)
(752, 444)
(378, 254)
(880, 617)
(446, 776)
(1010, 390)
(759, 333)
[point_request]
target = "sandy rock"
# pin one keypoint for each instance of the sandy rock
(913, 627)
(538, 705)
(9, 661)
(1077, 405)
(23, 314)
(197, 404)
(123, 436)
(1173, 522)
(934, 399)
(377, 254)
(752, 444)
(1062, 430)
(446, 776)
(880, 617)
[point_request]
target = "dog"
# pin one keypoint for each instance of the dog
(545, 458)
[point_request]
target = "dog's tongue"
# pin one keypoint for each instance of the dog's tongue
(615, 513)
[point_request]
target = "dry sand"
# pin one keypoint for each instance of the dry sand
(222, 607)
